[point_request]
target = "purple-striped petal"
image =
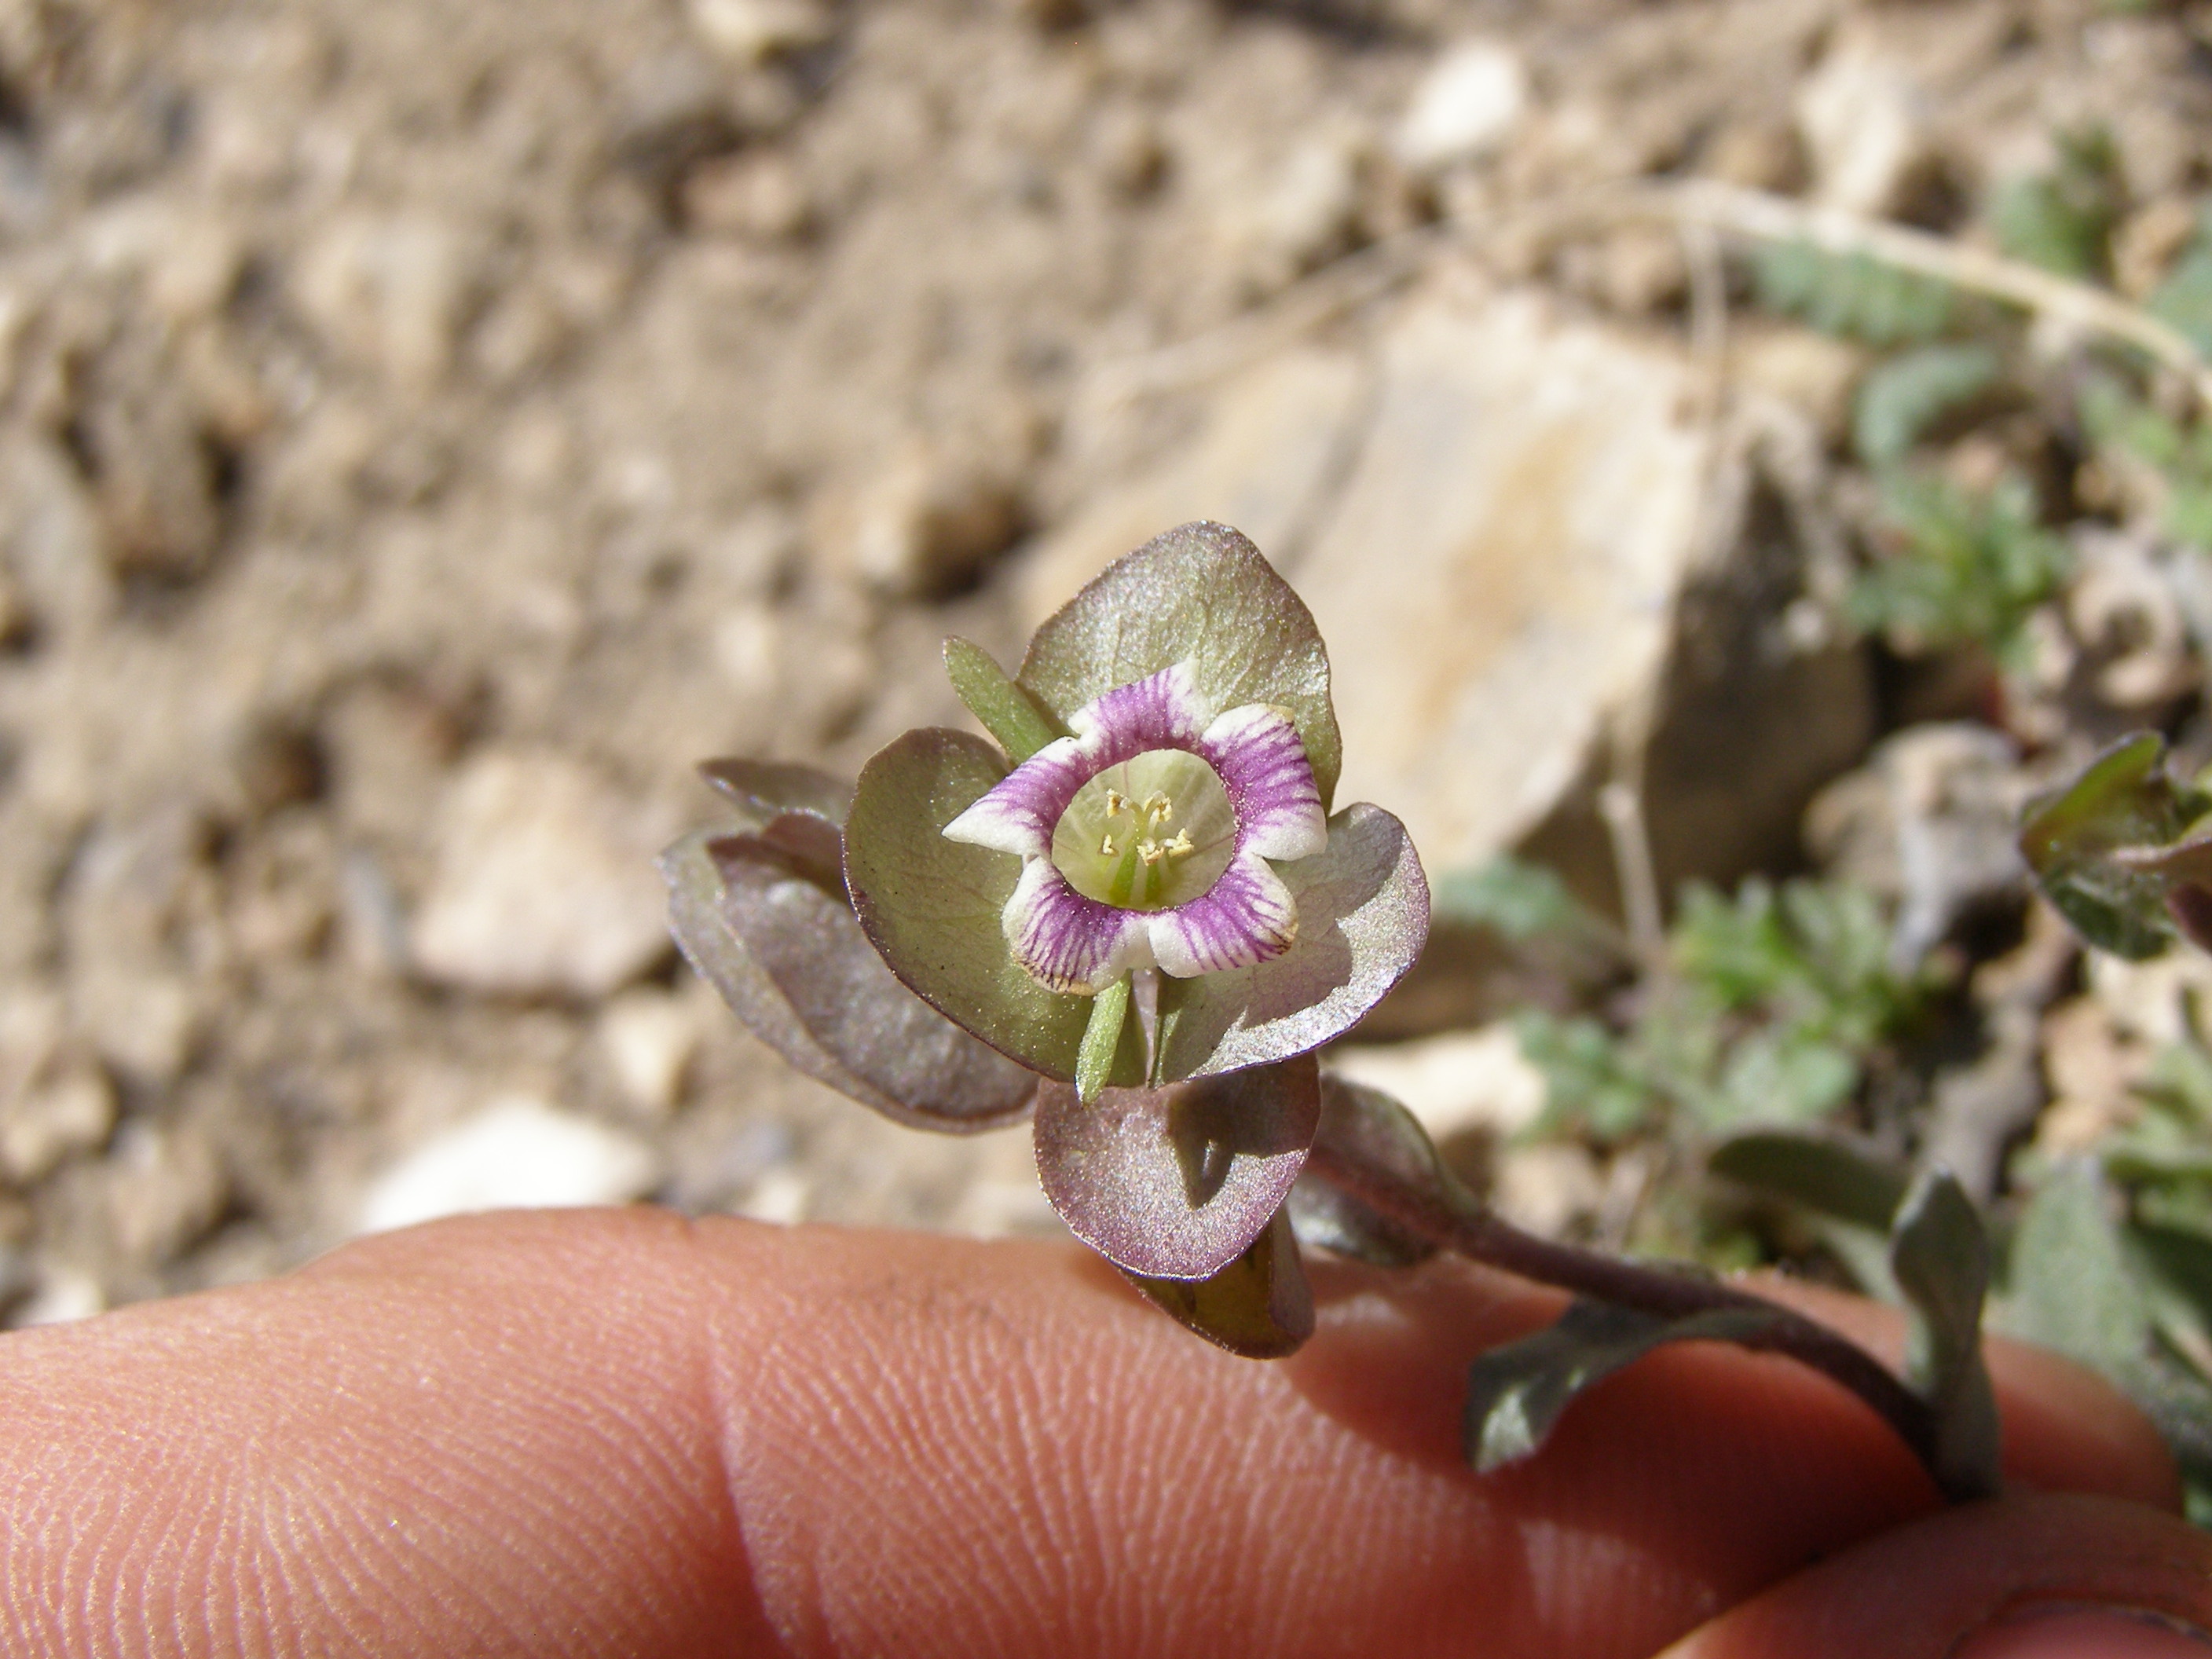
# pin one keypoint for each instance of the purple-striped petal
(1161, 711)
(1069, 942)
(1256, 752)
(1245, 917)
(1017, 815)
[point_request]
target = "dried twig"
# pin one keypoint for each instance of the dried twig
(1725, 210)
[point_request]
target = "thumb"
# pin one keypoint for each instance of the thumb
(2039, 1577)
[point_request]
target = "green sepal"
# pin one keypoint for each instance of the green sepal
(1007, 712)
(1102, 1038)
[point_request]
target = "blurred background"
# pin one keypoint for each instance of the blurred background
(1751, 443)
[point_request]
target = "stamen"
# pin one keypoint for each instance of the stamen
(1158, 808)
(1116, 803)
(1180, 847)
(1151, 852)
(1106, 847)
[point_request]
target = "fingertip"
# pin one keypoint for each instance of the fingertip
(2044, 1576)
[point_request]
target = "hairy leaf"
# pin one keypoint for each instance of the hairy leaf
(797, 809)
(761, 790)
(1368, 1127)
(2069, 1285)
(1363, 917)
(917, 1066)
(932, 906)
(1517, 1393)
(1824, 1171)
(1259, 1306)
(1007, 712)
(787, 956)
(1200, 594)
(1940, 1258)
(1176, 1183)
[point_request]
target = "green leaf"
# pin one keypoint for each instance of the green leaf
(1176, 1182)
(1901, 400)
(2068, 835)
(932, 906)
(1517, 1393)
(1363, 908)
(1007, 712)
(1780, 1075)
(785, 952)
(1259, 1306)
(2070, 1286)
(1939, 1256)
(1328, 1217)
(1199, 593)
(1823, 1172)
(1102, 1038)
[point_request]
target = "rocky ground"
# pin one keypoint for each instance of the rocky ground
(425, 431)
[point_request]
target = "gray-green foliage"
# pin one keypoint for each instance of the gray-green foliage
(1773, 1004)
(2063, 220)
(2179, 453)
(1958, 568)
(1852, 295)
(1901, 398)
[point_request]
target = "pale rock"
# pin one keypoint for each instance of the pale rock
(136, 895)
(1864, 119)
(778, 1197)
(762, 198)
(649, 1038)
(1929, 823)
(749, 32)
(1547, 1188)
(929, 523)
(162, 1186)
(55, 1121)
(389, 292)
(65, 1296)
(518, 1153)
(544, 883)
(1460, 1083)
(1298, 219)
(1813, 372)
(2149, 241)
(1497, 581)
(2153, 1001)
(1466, 107)
(1276, 440)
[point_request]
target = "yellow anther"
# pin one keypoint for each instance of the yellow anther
(1180, 847)
(1116, 803)
(1106, 847)
(1158, 807)
(1150, 851)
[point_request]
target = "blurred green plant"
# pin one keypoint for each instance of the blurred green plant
(1958, 567)
(2063, 220)
(1854, 296)
(1771, 1006)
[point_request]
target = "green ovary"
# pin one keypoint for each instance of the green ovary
(1152, 832)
